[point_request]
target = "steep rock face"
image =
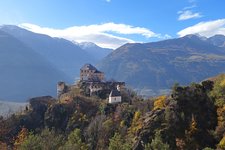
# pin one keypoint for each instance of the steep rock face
(25, 73)
(151, 121)
(158, 65)
(64, 54)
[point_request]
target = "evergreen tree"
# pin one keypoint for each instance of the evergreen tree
(157, 143)
(118, 143)
(74, 142)
(47, 139)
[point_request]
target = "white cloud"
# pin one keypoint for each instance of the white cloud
(108, 0)
(190, 7)
(206, 29)
(101, 34)
(188, 14)
(166, 36)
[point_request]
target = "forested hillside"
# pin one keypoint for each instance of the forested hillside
(190, 117)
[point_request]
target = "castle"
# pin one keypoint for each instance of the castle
(90, 73)
(93, 83)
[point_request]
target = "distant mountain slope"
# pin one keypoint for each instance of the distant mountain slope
(218, 40)
(157, 66)
(65, 55)
(94, 50)
(24, 72)
(9, 108)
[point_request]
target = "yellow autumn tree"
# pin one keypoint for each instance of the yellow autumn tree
(21, 137)
(221, 144)
(193, 126)
(218, 94)
(221, 115)
(136, 123)
(159, 102)
(222, 83)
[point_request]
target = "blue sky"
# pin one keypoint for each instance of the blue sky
(111, 23)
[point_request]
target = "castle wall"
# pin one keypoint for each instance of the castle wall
(89, 75)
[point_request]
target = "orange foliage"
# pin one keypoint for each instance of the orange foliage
(180, 143)
(221, 115)
(3, 146)
(193, 126)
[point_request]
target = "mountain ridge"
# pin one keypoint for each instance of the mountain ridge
(64, 56)
(24, 72)
(94, 50)
(157, 66)
(56, 50)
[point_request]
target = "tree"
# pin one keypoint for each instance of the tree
(208, 148)
(118, 143)
(108, 128)
(50, 139)
(74, 142)
(221, 144)
(159, 102)
(45, 140)
(157, 143)
(198, 116)
(77, 120)
(32, 142)
(136, 123)
(218, 92)
(218, 95)
(22, 135)
(94, 131)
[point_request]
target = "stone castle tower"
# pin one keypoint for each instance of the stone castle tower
(90, 73)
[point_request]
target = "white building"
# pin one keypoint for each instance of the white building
(115, 97)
